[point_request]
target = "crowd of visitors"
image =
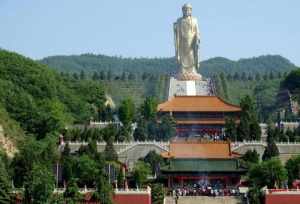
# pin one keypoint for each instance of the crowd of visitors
(197, 190)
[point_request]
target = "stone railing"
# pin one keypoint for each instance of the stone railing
(161, 145)
(88, 190)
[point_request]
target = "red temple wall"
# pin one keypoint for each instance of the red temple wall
(132, 198)
(282, 199)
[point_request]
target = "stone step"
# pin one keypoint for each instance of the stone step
(204, 200)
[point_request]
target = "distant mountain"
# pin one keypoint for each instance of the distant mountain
(91, 63)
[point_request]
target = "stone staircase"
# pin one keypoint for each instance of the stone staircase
(204, 200)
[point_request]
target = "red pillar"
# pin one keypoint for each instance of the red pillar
(181, 182)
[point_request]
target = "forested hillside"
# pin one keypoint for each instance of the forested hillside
(91, 63)
(41, 101)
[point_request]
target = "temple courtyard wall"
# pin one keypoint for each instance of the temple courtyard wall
(129, 153)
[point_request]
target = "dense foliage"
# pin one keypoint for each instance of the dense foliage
(42, 101)
(98, 63)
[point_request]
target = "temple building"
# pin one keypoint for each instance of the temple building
(199, 115)
(202, 163)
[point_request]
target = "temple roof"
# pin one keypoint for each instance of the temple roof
(200, 150)
(197, 104)
(203, 165)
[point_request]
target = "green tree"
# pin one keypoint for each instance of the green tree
(270, 151)
(39, 185)
(248, 128)
(167, 128)
(86, 170)
(140, 172)
(104, 190)
(230, 129)
(251, 156)
(148, 108)
(127, 111)
(5, 187)
(102, 75)
(224, 86)
(293, 168)
(157, 194)
(110, 152)
(123, 76)
(44, 152)
(255, 130)
(269, 173)
(154, 159)
(71, 194)
(82, 75)
(140, 133)
(95, 76)
(292, 81)
(255, 195)
(109, 75)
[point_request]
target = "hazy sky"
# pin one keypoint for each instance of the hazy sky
(133, 28)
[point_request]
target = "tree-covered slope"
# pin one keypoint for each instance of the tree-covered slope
(91, 63)
(40, 100)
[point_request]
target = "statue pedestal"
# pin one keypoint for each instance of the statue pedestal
(189, 88)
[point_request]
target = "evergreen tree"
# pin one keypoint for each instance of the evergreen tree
(230, 129)
(279, 75)
(157, 193)
(244, 76)
(109, 75)
(104, 190)
(39, 185)
(82, 75)
(251, 156)
(71, 194)
(167, 128)
(110, 152)
(144, 76)
(270, 151)
(148, 108)
(75, 76)
(5, 187)
(255, 195)
(102, 75)
(269, 173)
(140, 133)
(224, 86)
(293, 168)
(140, 172)
(123, 76)
(154, 160)
(271, 76)
(250, 78)
(257, 77)
(127, 112)
(236, 76)
(131, 76)
(290, 135)
(95, 76)
(229, 77)
(248, 128)
(255, 130)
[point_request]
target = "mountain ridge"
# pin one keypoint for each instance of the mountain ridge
(96, 63)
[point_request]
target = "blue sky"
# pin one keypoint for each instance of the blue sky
(134, 28)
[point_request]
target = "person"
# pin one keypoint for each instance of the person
(186, 35)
